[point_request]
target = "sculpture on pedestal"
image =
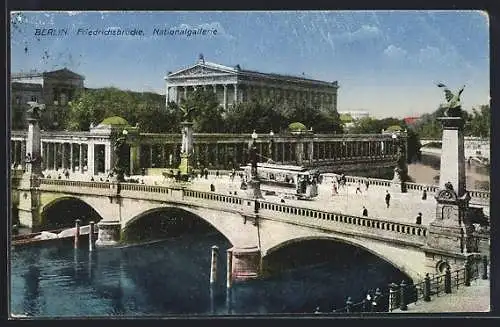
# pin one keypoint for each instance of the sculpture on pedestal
(453, 107)
(187, 141)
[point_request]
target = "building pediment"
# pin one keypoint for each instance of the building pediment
(201, 70)
(62, 74)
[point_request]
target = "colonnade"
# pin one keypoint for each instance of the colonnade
(93, 156)
(241, 92)
(227, 155)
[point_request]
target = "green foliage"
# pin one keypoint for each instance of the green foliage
(207, 115)
(479, 122)
(115, 121)
(297, 127)
(258, 115)
(94, 105)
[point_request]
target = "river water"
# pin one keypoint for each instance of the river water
(171, 277)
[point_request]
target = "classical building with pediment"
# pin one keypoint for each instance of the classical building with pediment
(55, 89)
(234, 84)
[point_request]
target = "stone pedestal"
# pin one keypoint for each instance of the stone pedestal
(109, 233)
(452, 168)
(246, 263)
(253, 189)
(185, 166)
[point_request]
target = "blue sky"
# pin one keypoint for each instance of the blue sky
(386, 62)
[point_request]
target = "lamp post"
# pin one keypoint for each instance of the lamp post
(254, 183)
(271, 145)
(119, 167)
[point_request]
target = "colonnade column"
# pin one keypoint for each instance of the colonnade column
(90, 158)
(107, 157)
(80, 157)
(185, 92)
(23, 154)
(42, 148)
(56, 145)
(225, 96)
(214, 86)
(16, 151)
(71, 165)
(235, 93)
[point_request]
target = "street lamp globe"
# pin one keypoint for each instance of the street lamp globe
(125, 132)
(254, 135)
(394, 136)
(271, 133)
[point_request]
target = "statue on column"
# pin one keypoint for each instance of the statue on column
(185, 167)
(34, 111)
(453, 107)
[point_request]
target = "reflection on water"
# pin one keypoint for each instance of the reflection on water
(427, 171)
(172, 277)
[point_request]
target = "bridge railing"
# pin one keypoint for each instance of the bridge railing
(78, 187)
(354, 224)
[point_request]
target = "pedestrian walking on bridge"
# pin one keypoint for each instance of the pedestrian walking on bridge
(358, 188)
(387, 198)
(424, 195)
(365, 212)
(419, 219)
(367, 183)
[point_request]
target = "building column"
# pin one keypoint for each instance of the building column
(63, 156)
(16, 152)
(214, 86)
(283, 151)
(185, 92)
(71, 165)
(56, 149)
(225, 96)
(90, 159)
(107, 158)
(80, 158)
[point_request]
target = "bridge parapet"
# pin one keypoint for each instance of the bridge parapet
(79, 187)
(354, 225)
(410, 234)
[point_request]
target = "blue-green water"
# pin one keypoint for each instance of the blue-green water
(171, 277)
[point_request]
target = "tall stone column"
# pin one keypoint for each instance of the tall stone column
(107, 158)
(167, 95)
(135, 158)
(56, 145)
(80, 157)
(91, 158)
(71, 159)
(225, 96)
(15, 160)
(186, 165)
(451, 240)
(185, 92)
(63, 156)
(24, 152)
(42, 155)
(214, 86)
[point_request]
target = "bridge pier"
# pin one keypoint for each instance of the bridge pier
(246, 263)
(109, 233)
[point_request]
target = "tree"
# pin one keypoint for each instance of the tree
(480, 121)
(258, 115)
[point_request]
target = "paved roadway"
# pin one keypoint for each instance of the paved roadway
(404, 207)
(475, 298)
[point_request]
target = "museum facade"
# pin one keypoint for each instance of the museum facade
(233, 85)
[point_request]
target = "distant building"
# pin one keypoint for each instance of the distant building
(411, 120)
(355, 114)
(234, 84)
(54, 89)
(348, 117)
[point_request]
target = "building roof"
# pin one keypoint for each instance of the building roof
(114, 121)
(63, 73)
(236, 70)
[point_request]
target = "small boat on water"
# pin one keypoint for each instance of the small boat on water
(51, 235)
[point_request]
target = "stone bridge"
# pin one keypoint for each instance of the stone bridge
(255, 228)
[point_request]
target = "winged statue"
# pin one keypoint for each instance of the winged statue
(187, 111)
(454, 105)
(34, 109)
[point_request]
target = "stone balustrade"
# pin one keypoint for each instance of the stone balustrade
(363, 226)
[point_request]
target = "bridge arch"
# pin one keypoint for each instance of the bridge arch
(395, 261)
(188, 212)
(48, 218)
